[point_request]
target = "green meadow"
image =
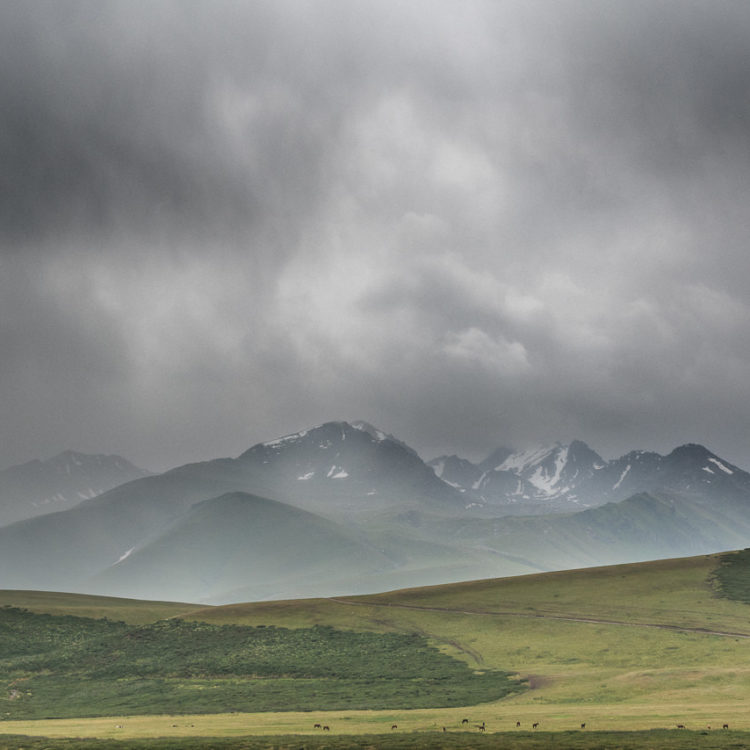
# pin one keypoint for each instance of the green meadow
(631, 651)
(135, 611)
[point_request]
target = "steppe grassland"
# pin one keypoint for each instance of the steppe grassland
(611, 676)
(567, 663)
(134, 611)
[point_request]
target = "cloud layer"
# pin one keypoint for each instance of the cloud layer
(470, 224)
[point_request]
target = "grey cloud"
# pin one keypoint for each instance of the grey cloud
(469, 224)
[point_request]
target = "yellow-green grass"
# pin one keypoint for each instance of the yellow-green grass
(497, 718)
(625, 666)
(136, 611)
(628, 672)
(677, 592)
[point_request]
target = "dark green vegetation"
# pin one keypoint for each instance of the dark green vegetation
(62, 666)
(732, 577)
(580, 740)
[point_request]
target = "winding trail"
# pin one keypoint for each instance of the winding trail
(543, 616)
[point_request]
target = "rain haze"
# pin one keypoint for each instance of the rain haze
(472, 224)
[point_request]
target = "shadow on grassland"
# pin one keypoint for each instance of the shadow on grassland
(581, 740)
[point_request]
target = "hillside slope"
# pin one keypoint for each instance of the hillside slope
(243, 546)
(39, 487)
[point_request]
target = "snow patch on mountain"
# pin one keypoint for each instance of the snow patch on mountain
(373, 432)
(125, 556)
(718, 463)
(521, 461)
(622, 476)
(285, 439)
(546, 482)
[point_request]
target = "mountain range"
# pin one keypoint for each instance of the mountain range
(346, 508)
(573, 477)
(39, 487)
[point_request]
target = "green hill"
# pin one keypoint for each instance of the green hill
(627, 647)
(135, 611)
(249, 546)
(622, 643)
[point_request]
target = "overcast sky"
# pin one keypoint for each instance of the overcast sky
(470, 223)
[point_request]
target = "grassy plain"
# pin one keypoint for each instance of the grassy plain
(646, 657)
(625, 649)
(134, 611)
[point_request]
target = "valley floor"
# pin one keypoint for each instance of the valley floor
(498, 717)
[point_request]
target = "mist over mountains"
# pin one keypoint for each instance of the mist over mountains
(346, 508)
(572, 477)
(40, 487)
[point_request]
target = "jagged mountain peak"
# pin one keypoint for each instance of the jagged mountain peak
(327, 435)
(693, 456)
(371, 430)
(495, 459)
(39, 487)
(350, 466)
(691, 452)
(529, 456)
(458, 472)
(75, 460)
(580, 452)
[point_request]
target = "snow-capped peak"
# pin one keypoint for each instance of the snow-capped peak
(372, 431)
(285, 439)
(521, 461)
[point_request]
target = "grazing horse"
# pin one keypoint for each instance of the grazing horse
(726, 726)
(680, 726)
(464, 721)
(518, 724)
(316, 726)
(326, 728)
(395, 726)
(583, 726)
(535, 725)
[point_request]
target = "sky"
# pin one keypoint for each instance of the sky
(471, 224)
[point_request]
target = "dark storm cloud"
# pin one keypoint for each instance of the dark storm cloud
(470, 224)
(110, 121)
